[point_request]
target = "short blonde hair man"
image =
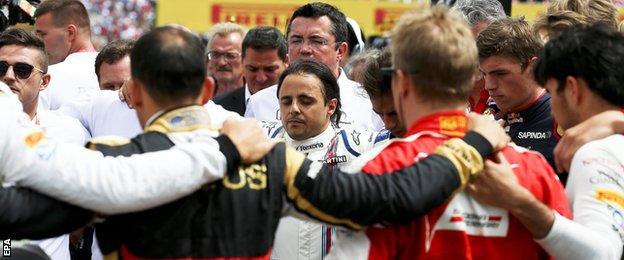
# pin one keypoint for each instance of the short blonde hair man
(596, 11)
(441, 71)
(551, 24)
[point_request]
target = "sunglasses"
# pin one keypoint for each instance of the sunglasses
(20, 69)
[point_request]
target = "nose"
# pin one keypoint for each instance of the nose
(261, 77)
(490, 83)
(305, 49)
(9, 76)
(294, 108)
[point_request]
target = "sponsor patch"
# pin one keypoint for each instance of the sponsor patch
(534, 135)
(314, 146)
(611, 197)
(33, 139)
(452, 124)
(355, 135)
(463, 213)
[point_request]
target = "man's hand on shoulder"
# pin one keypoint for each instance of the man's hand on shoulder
(489, 129)
(247, 135)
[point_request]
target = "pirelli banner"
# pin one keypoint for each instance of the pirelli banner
(374, 16)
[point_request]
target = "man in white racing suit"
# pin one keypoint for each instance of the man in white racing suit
(310, 106)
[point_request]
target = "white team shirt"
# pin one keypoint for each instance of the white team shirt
(308, 240)
(70, 79)
(356, 106)
(68, 130)
(102, 113)
(595, 190)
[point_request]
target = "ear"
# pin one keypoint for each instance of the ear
(572, 91)
(136, 91)
(72, 32)
(331, 107)
(208, 90)
(343, 48)
(404, 83)
(531, 65)
(286, 61)
(45, 81)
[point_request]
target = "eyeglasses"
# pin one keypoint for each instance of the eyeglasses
(315, 42)
(215, 55)
(22, 70)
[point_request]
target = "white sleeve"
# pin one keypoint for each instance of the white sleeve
(104, 184)
(596, 195)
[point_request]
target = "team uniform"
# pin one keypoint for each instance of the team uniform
(237, 217)
(535, 128)
(87, 178)
(69, 130)
(357, 110)
(102, 113)
(300, 239)
(461, 228)
(596, 192)
(70, 79)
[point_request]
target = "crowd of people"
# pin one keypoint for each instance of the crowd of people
(466, 135)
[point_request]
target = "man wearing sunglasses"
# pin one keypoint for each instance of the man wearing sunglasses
(224, 56)
(23, 67)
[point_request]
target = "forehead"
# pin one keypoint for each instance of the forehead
(15, 53)
(307, 27)
(233, 40)
(44, 21)
(295, 85)
(261, 56)
(497, 62)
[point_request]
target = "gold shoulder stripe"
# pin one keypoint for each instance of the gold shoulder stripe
(110, 141)
(294, 160)
(466, 158)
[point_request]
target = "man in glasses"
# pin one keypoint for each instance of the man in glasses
(318, 31)
(264, 60)
(224, 56)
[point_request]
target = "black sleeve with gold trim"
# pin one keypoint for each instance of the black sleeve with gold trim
(25, 213)
(358, 200)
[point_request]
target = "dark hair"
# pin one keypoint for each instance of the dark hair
(330, 88)
(65, 12)
(509, 37)
(24, 38)
(266, 38)
(113, 52)
(170, 63)
(316, 10)
(375, 82)
(594, 53)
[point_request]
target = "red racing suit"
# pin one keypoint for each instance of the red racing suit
(461, 228)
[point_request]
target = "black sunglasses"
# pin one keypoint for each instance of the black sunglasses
(22, 70)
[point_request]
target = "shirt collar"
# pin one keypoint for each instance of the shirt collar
(452, 123)
(319, 142)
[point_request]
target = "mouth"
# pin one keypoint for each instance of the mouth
(14, 89)
(295, 121)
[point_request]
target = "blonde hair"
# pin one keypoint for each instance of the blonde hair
(437, 49)
(224, 29)
(553, 23)
(596, 11)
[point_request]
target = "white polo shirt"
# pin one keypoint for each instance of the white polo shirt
(357, 110)
(70, 79)
(103, 114)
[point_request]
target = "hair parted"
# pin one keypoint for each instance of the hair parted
(24, 38)
(511, 38)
